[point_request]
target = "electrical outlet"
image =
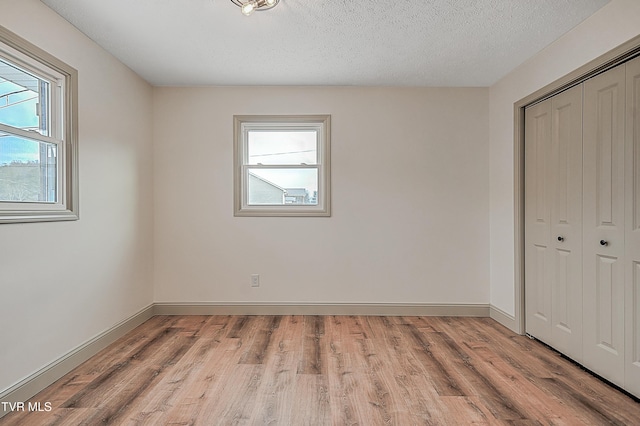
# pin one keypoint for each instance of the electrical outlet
(255, 280)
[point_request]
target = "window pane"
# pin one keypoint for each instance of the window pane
(282, 186)
(28, 169)
(24, 99)
(282, 147)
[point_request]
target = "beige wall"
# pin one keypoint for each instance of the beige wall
(614, 24)
(63, 283)
(409, 194)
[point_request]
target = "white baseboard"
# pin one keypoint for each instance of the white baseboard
(36, 382)
(390, 309)
(504, 318)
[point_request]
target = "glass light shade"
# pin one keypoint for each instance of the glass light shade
(248, 8)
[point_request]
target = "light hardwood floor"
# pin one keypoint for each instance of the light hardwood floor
(333, 370)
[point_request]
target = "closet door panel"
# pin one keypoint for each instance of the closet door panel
(553, 221)
(566, 222)
(537, 220)
(632, 235)
(603, 216)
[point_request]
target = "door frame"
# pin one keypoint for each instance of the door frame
(614, 57)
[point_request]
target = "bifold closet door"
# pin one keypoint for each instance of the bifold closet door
(632, 236)
(604, 227)
(537, 220)
(566, 222)
(553, 222)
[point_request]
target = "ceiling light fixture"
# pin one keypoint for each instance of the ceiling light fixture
(249, 6)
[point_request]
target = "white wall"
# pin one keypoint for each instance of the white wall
(614, 24)
(63, 283)
(410, 199)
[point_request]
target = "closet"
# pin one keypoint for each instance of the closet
(582, 223)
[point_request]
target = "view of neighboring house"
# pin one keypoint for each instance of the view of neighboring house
(262, 191)
(296, 196)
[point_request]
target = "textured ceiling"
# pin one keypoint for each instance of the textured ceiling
(325, 42)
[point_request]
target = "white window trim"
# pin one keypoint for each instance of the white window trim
(322, 123)
(65, 97)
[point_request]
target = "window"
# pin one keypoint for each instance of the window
(282, 165)
(38, 146)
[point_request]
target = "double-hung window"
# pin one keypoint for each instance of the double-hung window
(38, 158)
(282, 165)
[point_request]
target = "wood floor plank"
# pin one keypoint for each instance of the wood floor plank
(214, 372)
(439, 373)
(333, 370)
(120, 373)
(489, 388)
(466, 410)
(379, 395)
(386, 349)
(345, 404)
(274, 397)
(411, 379)
(241, 325)
(255, 353)
(310, 405)
(132, 343)
(312, 361)
(236, 399)
(562, 379)
(114, 405)
(182, 381)
(512, 382)
(425, 323)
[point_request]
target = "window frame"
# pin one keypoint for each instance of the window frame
(242, 124)
(63, 102)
